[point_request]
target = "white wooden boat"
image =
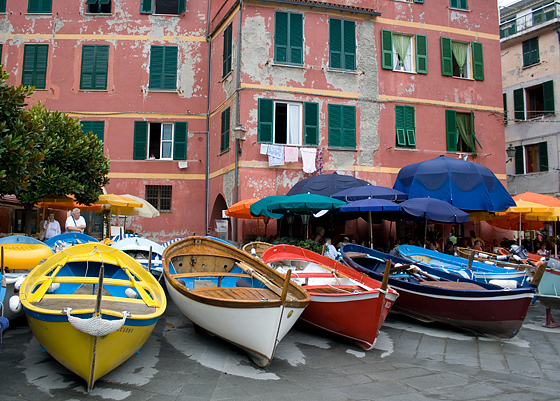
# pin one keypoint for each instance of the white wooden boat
(146, 252)
(232, 295)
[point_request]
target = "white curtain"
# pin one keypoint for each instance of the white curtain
(294, 124)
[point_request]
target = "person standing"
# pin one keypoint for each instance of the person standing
(51, 226)
(330, 251)
(75, 222)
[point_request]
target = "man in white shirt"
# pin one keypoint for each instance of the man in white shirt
(330, 250)
(51, 226)
(75, 222)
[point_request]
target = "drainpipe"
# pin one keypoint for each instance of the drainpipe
(237, 116)
(207, 170)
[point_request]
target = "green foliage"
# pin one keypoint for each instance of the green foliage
(313, 246)
(45, 153)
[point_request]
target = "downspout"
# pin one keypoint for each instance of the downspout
(237, 116)
(207, 172)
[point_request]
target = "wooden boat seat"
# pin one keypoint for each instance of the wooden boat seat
(334, 289)
(454, 285)
(353, 255)
(54, 302)
(237, 293)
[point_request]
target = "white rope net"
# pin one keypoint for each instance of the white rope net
(96, 326)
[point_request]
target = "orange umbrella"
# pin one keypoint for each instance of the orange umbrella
(545, 200)
(241, 209)
(515, 218)
(68, 206)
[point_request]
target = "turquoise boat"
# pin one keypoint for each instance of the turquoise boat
(548, 291)
(479, 271)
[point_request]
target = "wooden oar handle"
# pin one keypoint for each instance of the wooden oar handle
(286, 285)
(386, 275)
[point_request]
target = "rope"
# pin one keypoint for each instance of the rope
(96, 326)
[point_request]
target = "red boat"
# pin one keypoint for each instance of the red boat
(343, 301)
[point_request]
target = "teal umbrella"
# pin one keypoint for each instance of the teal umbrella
(304, 204)
(260, 208)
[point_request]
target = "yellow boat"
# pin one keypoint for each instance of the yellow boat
(91, 307)
(23, 253)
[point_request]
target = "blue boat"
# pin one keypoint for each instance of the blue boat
(481, 272)
(20, 239)
(432, 295)
(65, 240)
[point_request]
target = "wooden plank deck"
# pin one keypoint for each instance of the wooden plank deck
(53, 303)
(237, 293)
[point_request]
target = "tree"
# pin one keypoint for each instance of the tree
(66, 160)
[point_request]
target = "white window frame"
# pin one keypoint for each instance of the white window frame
(298, 124)
(410, 55)
(161, 140)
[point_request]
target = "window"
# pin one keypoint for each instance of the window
(508, 27)
(166, 141)
(288, 38)
(405, 127)
(531, 52)
(2, 6)
(35, 66)
(460, 132)
(505, 110)
(544, 13)
(169, 7)
(462, 59)
(342, 44)
(159, 197)
(224, 136)
(98, 6)
(163, 68)
(342, 126)
(226, 57)
(531, 158)
(539, 100)
(97, 127)
(401, 52)
(460, 4)
(95, 63)
(39, 6)
(281, 122)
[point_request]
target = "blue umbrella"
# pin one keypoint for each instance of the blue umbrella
(435, 210)
(326, 184)
(371, 205)
(370, 191)
(466, 185)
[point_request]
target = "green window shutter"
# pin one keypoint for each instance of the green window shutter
(146, 7)
(180, 141)
(543, 156)
(399, 125)
(454, 3)
(311, 124)
(505, 110)
(446, 57)
(419, 1)
(335, 43)
(548, 97)
(451, 129)
(29, 62)
(349, 45)
(91, 1)
(531, 52)
(39, 6)
(181, 6)
(140, 140)
(349, 127)
(473, 135)
(478, 61)
(227, 55)
(281, 37)
(296, 39)
(519, 104)
(462, 4)
(97, 127)
(386, 49)
(2, 6)
(519, 167)
(410, 125)
(95, 63)
(224, 137)
(266, 117)
(335, 125)
(170, 68)
(156, 67)
(421, 54)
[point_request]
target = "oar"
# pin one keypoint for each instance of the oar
(471, 259)
(2, 265)
(99, 290)
(386, 275)
(150, 260)
(285, 288)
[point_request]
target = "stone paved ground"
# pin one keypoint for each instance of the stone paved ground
(411, 362)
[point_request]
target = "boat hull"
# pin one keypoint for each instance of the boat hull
(343, 301)
(10, 292)
(480, 308)
(89, 357)
(549, 289)
(24, 256)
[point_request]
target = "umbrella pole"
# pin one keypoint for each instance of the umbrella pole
(519, 236)
(370, 231)
(425, 232)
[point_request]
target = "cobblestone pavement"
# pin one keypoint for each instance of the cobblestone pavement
(411, 361)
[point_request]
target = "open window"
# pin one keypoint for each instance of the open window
(462, 59)
(461, 135)
(531, 158)
(98, 6)
(160, 141)
(163, 7)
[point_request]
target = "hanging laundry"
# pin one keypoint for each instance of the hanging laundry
(319, 161)
(308, 158)
(275, 155)
(264, 149)
(290, 154)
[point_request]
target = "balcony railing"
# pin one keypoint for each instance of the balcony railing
(533, 18)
